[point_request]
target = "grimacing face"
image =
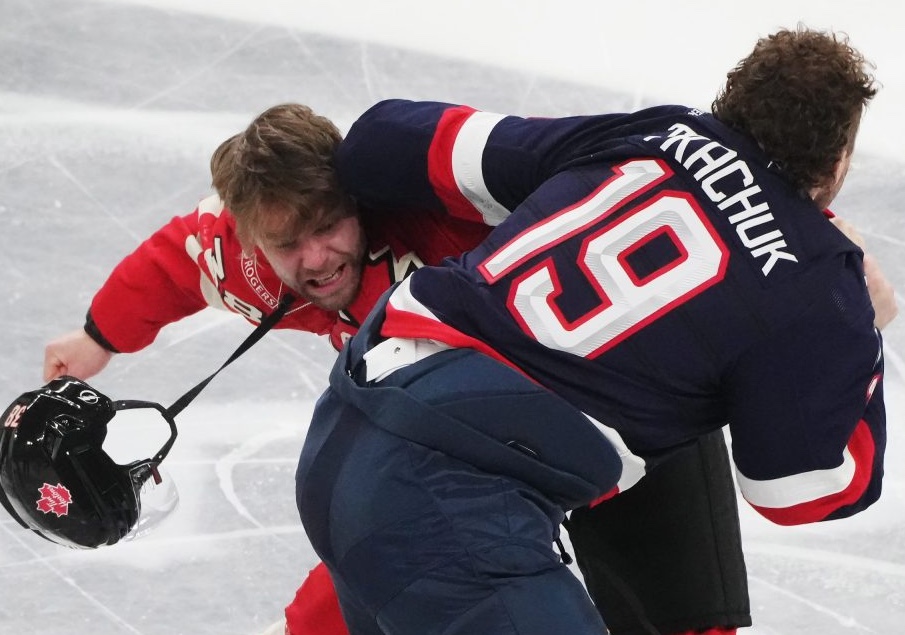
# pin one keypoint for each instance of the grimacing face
(323, 262)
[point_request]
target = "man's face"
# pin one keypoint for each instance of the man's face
(323, 262)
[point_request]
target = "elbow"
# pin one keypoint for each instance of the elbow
(822, 494)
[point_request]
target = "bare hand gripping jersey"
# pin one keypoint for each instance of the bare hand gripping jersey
(658, 274)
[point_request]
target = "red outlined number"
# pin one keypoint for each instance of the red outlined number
(213, 256)
(627, 302)
(12, 420)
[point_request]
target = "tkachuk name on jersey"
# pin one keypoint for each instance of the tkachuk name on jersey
(715, 166)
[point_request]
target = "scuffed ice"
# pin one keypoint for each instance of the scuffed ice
(108, 115)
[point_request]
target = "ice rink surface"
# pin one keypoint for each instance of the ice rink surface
(109, 112)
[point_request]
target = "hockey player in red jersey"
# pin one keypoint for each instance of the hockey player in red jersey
(652, 277)
(336, 260)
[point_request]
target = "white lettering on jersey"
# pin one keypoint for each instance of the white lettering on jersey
(250, 271)
(728, 182)
(214, 259)
(208, 288)
(631, 178)
(627, 303)
(238, 305)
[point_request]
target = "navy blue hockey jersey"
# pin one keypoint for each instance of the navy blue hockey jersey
(656, 270)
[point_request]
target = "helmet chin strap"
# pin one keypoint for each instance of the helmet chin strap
(143, 469)
(262, 328)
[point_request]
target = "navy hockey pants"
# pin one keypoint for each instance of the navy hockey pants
(435, 495)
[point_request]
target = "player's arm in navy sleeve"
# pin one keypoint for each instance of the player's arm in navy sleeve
(808, 420)
(473, 164)
(382, 160)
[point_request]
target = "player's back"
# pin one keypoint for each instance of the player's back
(665, 285)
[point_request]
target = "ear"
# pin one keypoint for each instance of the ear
(824, 193)
(842, 165)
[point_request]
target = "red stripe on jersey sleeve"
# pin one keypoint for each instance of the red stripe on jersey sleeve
(863, 449)
(440, 164)
(605, 497)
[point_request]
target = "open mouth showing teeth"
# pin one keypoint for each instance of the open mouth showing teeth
(326, 280)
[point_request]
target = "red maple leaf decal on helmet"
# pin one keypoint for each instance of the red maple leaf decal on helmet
(54, 499)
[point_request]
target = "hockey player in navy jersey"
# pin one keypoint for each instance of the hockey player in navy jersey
(338, 264)
(664, 273)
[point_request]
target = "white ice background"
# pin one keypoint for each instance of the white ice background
(109, 112)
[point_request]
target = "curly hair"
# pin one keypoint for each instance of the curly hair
(279, 172)
(800, 94)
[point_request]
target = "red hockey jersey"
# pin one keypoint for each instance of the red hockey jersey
(196, 261)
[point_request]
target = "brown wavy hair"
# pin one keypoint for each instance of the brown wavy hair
(282, 164)
(800, 94)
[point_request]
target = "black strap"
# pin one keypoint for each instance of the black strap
(265, 325)
(564, 555)
(141, 470)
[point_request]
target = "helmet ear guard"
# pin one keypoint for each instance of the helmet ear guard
(55, 477)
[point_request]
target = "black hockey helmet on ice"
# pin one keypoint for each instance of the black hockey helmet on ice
(55, 477)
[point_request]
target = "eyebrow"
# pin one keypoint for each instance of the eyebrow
(293, 226)
(281, 238)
